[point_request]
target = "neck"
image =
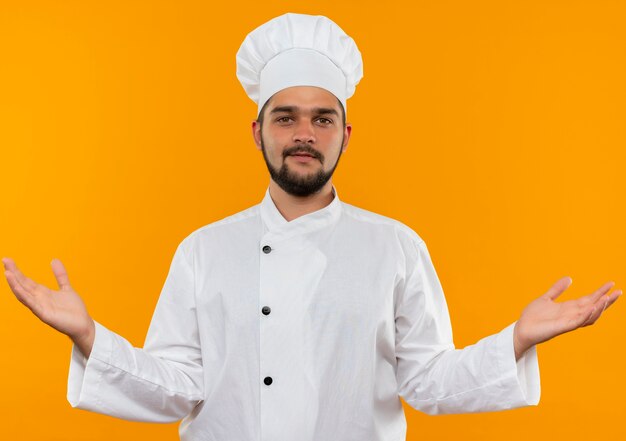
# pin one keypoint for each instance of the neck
(292, 207)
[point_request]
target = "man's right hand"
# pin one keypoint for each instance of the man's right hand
(64, 310)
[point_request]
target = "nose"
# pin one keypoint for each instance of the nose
(304, 132)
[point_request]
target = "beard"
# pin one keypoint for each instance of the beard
(294, 183)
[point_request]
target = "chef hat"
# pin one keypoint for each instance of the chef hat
(298, 50)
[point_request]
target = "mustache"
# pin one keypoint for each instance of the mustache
(303, 148)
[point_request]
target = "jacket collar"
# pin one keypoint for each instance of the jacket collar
(276, 223)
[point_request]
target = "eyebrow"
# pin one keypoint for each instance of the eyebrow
(316, 110)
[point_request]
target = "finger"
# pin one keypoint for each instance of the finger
(8, 263)
(602, 305)
(596, 311)
(22, 295)
(60, 274)
(597, 294)
(27, 283)
(613, 298)
(557, 289)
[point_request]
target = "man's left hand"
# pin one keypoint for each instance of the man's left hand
(544, 319)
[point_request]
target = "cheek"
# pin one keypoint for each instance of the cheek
(331, 141)
(273, 150)
(275, 137)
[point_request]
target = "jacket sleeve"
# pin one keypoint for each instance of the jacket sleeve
(160, 383)
(436, 378)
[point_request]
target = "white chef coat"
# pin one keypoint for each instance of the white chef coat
(306, 330)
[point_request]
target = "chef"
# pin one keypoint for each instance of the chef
(303, 317)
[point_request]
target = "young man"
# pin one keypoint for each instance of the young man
(302, 317)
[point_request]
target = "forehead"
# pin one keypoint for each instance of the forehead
(304, 97)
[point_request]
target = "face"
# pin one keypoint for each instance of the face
(302, 137)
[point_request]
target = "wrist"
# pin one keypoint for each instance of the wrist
(85, 339)
(519, 345)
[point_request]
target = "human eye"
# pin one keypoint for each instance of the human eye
(283, 119)
(325, 121)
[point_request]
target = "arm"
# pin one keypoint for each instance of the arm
(436, 378)
(161, 382)
(500, 371)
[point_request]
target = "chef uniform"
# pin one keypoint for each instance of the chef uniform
(307, 330)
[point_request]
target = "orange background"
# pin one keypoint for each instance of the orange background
(496, 130)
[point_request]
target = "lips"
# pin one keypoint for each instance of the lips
(304, 154)
(303, 158)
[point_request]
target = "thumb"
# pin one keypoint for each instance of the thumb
(60, 274)
(557, 289)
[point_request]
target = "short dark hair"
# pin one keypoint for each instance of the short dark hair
(262, 112)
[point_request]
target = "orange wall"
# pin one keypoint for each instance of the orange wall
(496, 130)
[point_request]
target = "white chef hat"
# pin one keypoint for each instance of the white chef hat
(298, 50)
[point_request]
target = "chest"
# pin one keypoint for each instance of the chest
(321, 285)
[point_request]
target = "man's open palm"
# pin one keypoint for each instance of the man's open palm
(544, 318)
(64, 310)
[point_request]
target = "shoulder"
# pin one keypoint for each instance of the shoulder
(234, 225)
(379, 224)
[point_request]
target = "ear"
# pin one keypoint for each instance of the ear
(256, 134)
(346, 136)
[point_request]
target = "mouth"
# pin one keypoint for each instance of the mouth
(303, 157)
(304, 154)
